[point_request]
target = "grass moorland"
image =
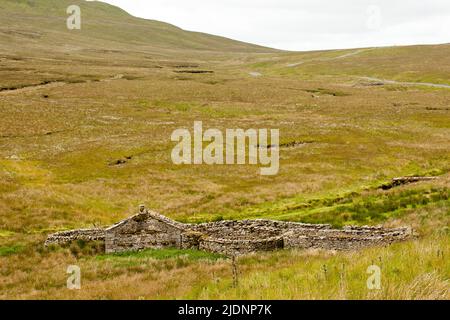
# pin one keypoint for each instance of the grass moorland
(86, 119)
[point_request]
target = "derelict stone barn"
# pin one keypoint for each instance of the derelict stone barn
(148, 229)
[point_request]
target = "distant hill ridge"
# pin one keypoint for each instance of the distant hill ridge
(102, 26)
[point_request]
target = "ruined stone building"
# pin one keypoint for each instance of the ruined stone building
(148, 229)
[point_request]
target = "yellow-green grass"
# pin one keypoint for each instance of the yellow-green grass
(74, 114)
(414, 270)
(427, 64)
(417, 269)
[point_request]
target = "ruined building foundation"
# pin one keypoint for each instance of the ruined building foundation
(148, 229)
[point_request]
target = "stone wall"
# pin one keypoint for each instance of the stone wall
(152, 230)
(349, 238)
(65, 237)
(243, 246)
(191, 240)
(254, 229)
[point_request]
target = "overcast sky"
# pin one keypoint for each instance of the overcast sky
(305, 24)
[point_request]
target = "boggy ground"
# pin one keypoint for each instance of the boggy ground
(86, 154)
(85, 138)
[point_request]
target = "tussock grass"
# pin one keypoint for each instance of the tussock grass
(6, 251)
(161, 254)
(414, 270)
(88, 151)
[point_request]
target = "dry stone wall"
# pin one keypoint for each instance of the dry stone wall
(152, 230)
(242, 246)
(253, 229)
(65, 237)
(346, 239)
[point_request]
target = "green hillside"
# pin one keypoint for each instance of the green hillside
(42, 24)
(418, 63)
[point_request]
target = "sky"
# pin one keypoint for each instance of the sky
(303, 25)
